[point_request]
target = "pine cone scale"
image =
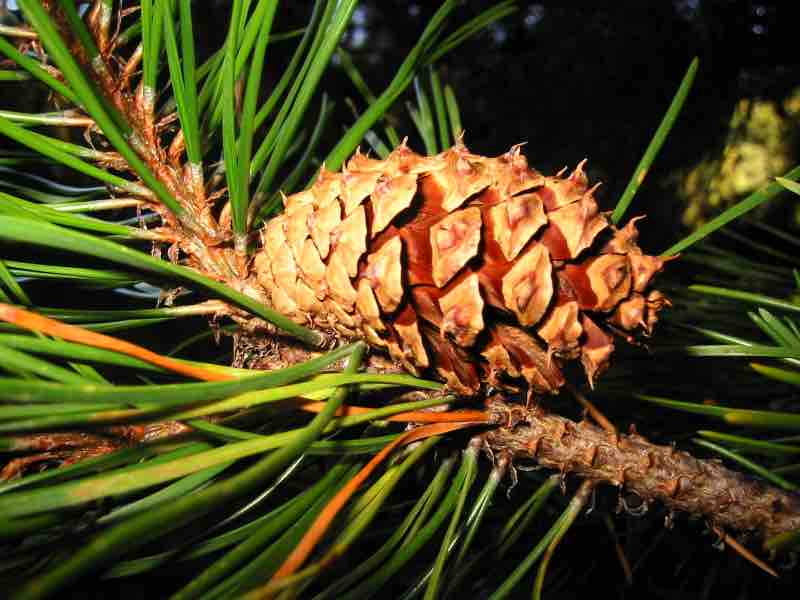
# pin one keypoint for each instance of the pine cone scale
(478, 268)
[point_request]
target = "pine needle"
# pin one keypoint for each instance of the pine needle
(742, 551)
(35, 322)
(461, 416)
(306, 546)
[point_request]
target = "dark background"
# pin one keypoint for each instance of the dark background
(592, 80)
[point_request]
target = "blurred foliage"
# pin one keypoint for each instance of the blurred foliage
(761, 144)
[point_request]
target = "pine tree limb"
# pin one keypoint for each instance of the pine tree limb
(700, 487)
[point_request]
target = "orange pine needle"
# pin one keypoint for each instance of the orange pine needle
(39, 323)
(595, 412)
(734, 544)
(328, 514)
(461, 416)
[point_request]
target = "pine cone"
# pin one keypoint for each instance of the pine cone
(479, 268)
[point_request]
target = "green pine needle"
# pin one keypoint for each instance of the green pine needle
(659, 137)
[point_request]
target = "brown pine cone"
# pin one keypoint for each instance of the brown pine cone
(481, 269)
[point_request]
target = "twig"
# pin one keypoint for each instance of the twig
(654, 473)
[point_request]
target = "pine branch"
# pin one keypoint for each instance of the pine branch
(654, 473)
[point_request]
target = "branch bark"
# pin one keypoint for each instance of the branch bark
(654, 473)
